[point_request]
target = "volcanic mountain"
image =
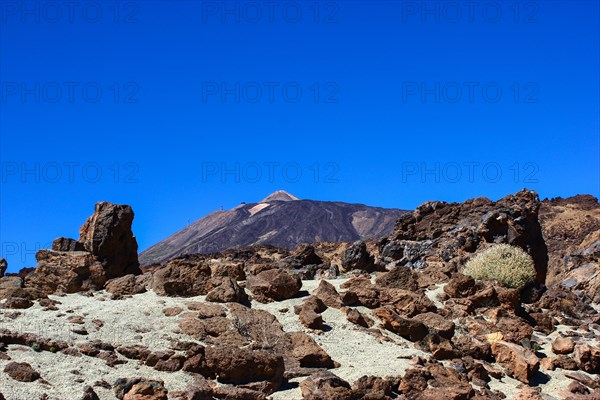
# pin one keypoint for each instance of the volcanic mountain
(281, 220)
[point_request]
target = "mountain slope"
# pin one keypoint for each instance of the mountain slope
(281, 220)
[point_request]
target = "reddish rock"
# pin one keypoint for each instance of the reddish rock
(172, 364)
(89, 394)
(439, 347)
(588, 358)
(519, 362)
(17, 303)
(128, 284)
(274, 284)
(447, 383)
(406, 303)
(529, 394)
(372, 387)
(233, 270)
(310, 319)
(325, 385)
(410, 329)
(22, 372)
(563, 345)
(242, 366)
(361, 289)
(226, 290)
(107, 235)
(66, 272)
(67, 244)
(135, 352)
(460, 286)
(562, 361)
(207, 310)
(306, 351)
(186, 276)
(437, 324)
(358, 318)
(328, 294)
(399, 278)
(140, 389)
(172, 311)
(10, 284)
(543, 322)
(309, 312)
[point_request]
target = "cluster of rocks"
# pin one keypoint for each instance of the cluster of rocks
(472, 331)
(106, 249)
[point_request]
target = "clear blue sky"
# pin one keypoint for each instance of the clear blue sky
(150, 103)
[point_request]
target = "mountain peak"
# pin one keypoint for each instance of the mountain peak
(280, 195)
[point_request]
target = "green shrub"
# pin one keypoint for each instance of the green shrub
(509, 265)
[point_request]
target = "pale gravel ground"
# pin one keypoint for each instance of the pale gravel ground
(140, 320)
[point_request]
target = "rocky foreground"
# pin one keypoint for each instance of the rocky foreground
(388, 319)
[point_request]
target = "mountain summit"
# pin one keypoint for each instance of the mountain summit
(280, 195)
(282, 220)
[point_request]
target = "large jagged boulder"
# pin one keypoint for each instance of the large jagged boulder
(107, 235)
(3, 266)
(107, 249)
(439, 232)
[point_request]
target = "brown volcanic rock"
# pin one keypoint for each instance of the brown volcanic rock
(107, 234)
(446, 231)
(308, 353)
(66, 272)
(588, 358)
(399, 278)
(128, 284)
(67, 244)
(242, 366)
(325, 385)
(358, 318)
(8, 284)
(437, 324)
(460, 286)
(563, 345)
(226, 290)
(309, 312)
(140, 389)
(410, 329)
(520, 363)
(306, 262)
(187, 277)
(21, 372)
(328, 294)
(107, 249)
(274, 284)
(439, 347)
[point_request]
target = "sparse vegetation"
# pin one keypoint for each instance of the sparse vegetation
(509, 265)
